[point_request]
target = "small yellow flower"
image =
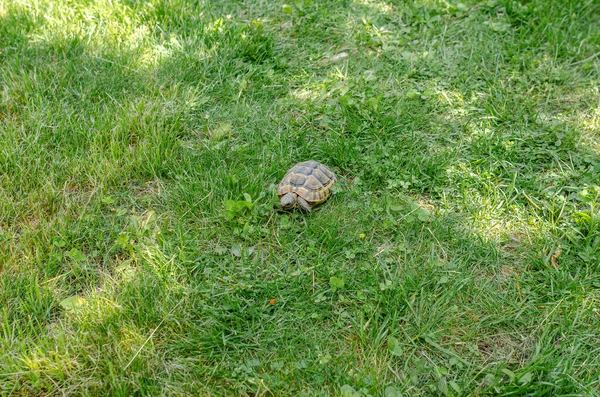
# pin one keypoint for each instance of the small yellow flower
(362, 235)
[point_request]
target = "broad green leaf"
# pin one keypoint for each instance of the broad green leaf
(336, 283)
(219, 250)
(391, 391)
(394, 346)
(221, 131)
(235, 208)
(498, 26)
(490, 380)
(236, 250)
(397, 207)
(370, 75)
(348, 391)
(277, 365)
(420, 364)
(126, 270)
(123, 241)
(443, 386)
(286, 8)
(76, 255)
(73, 303)
(230, 205)
(581, 216)
(524, 379)
(423, 215)
(455, 386)
(325, 359)
(60, 243)
(510, 373)
(300, 364)
(410, 94)
(284, 222)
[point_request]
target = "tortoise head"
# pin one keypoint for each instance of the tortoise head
(288, 200)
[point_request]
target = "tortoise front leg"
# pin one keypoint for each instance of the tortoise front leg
(303, 204)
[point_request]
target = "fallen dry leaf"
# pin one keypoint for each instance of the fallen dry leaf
(554, 258)
(339, 56)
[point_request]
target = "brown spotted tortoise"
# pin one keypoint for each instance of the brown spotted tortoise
(305, 185)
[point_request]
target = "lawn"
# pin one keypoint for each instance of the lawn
(142, 251)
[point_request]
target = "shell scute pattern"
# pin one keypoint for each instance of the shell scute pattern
(310, 180)
(297, 180)
(312, 183)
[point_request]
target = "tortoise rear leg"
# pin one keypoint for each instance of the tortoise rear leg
(303, 204)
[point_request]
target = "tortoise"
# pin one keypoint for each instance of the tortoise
(306, 184)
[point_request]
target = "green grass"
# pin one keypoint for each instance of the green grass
(459, 255)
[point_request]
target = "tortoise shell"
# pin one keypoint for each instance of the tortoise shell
(310, 180)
